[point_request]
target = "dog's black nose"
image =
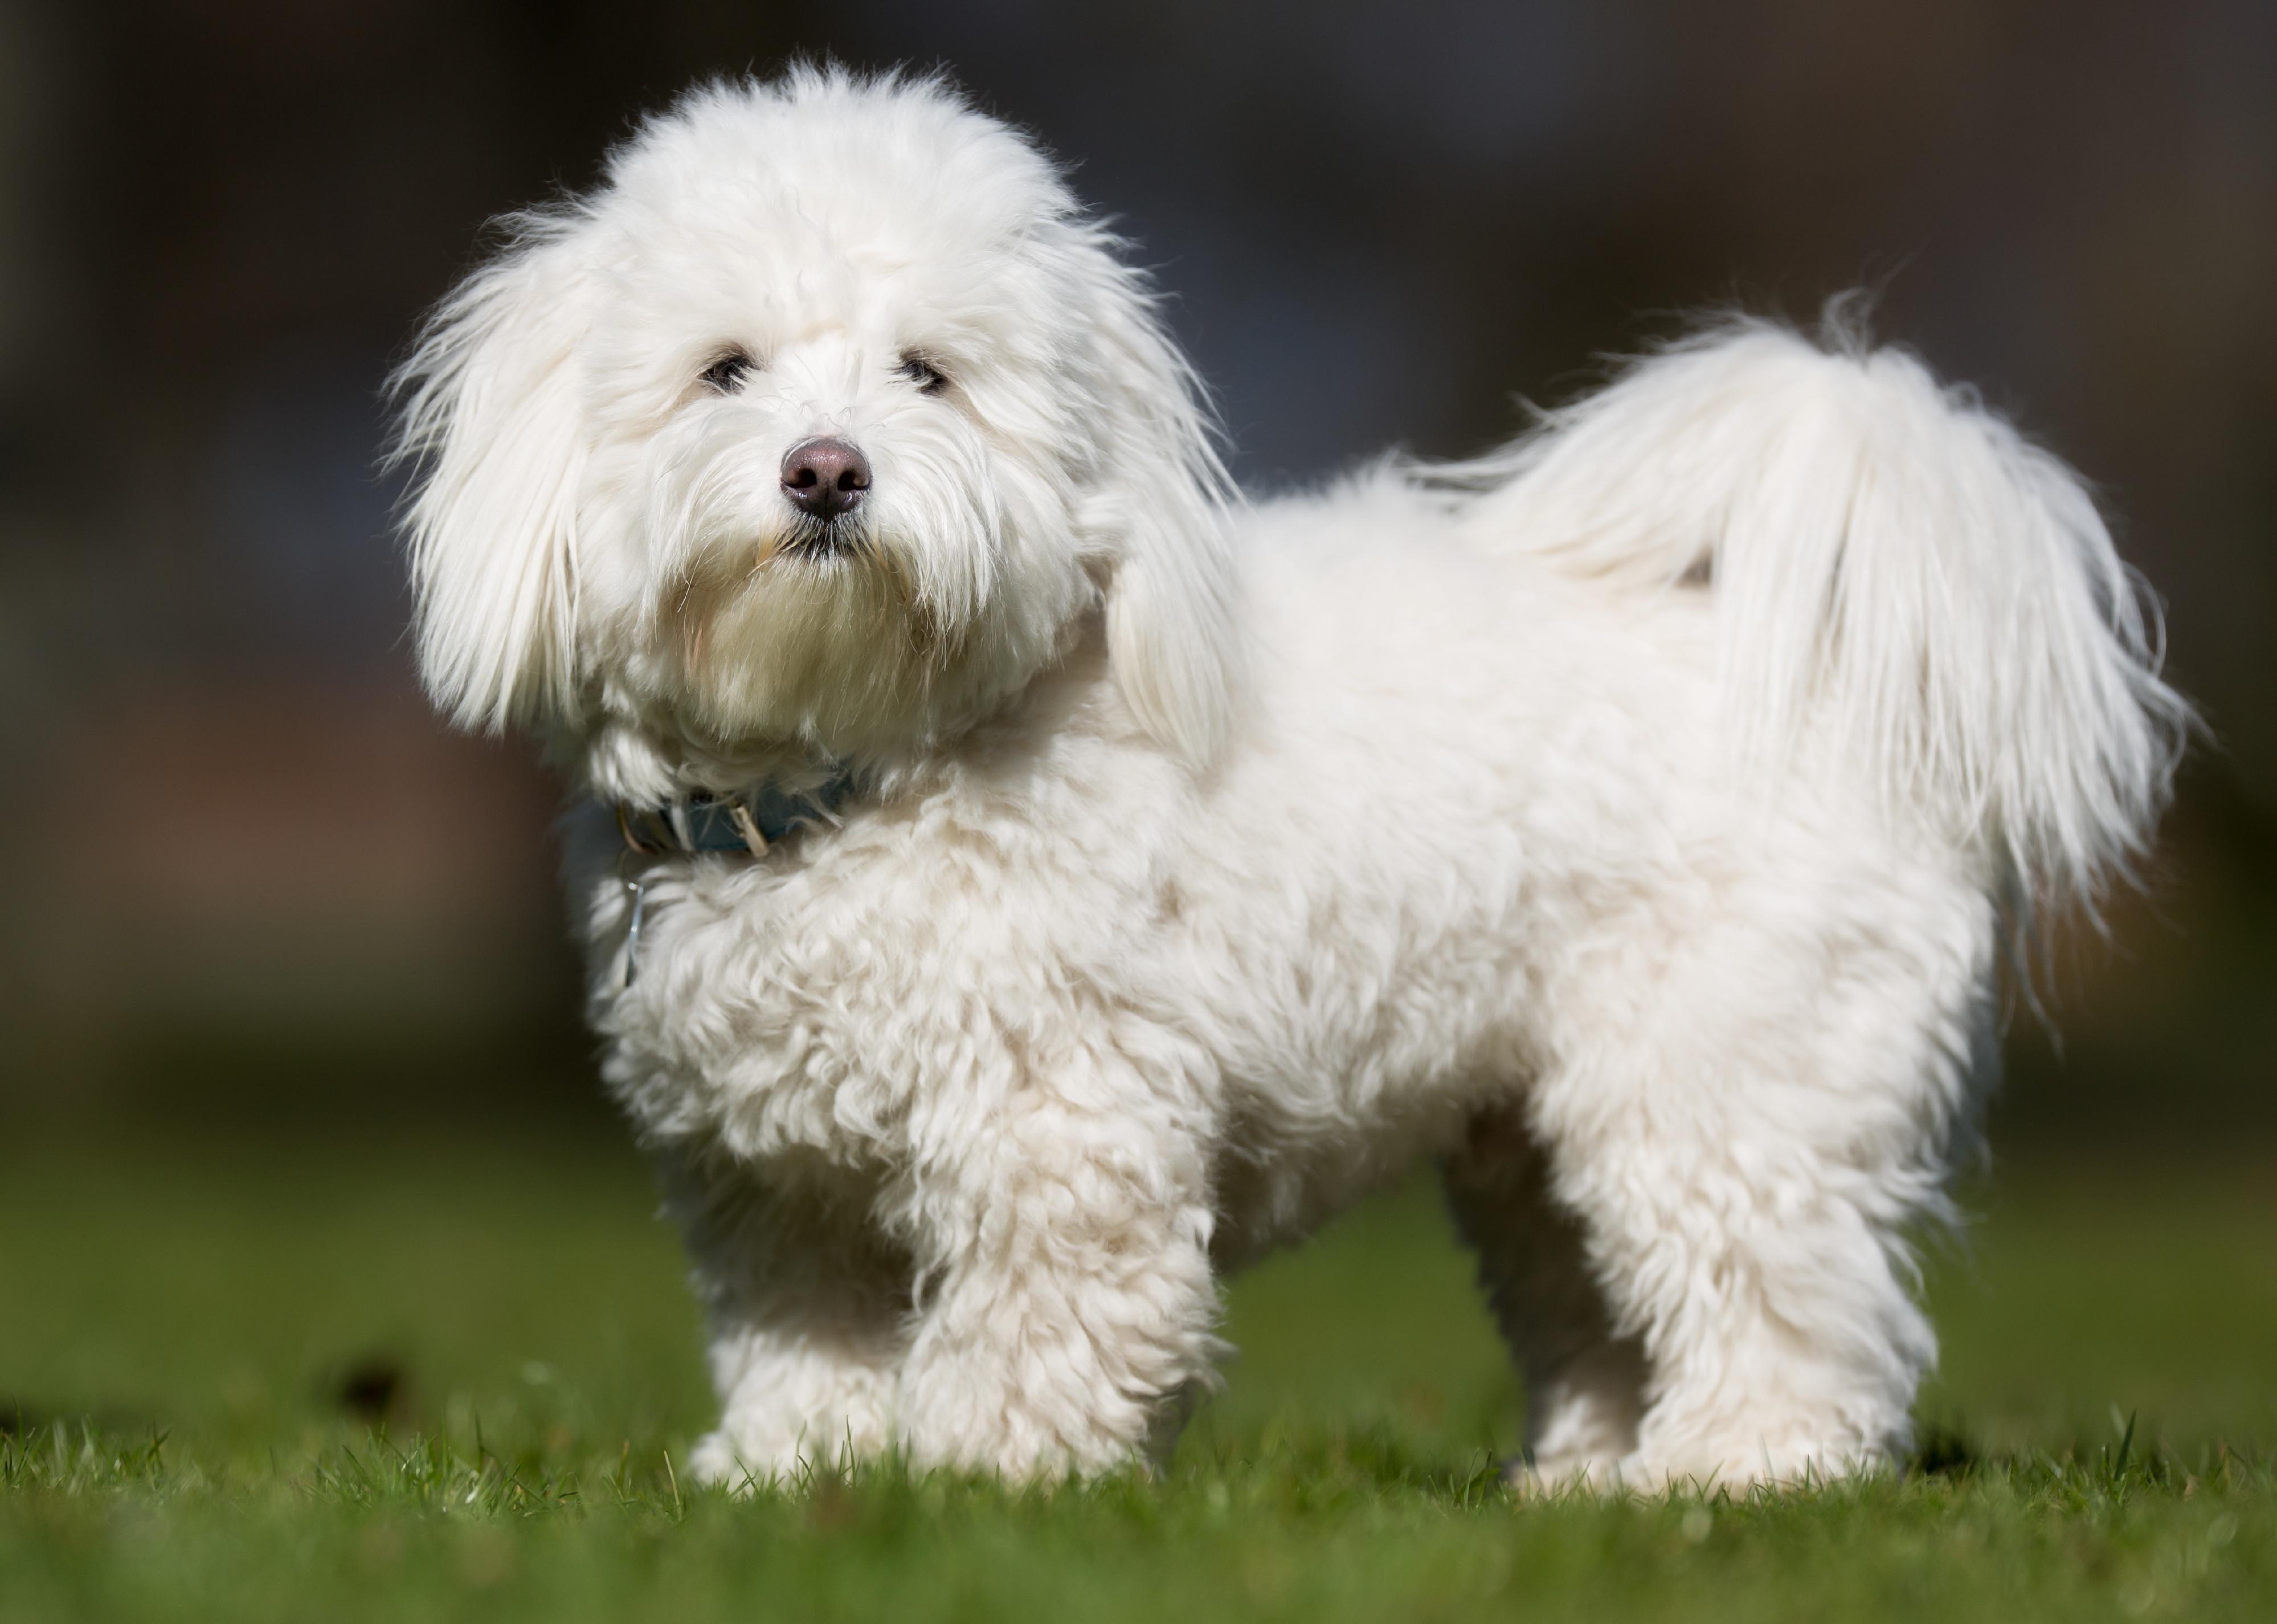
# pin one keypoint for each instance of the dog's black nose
(824, 477)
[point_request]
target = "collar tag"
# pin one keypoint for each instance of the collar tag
(639, 888)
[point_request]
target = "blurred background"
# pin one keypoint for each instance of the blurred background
(250, 884)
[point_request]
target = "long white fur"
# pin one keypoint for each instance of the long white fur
(1895, 568)
(489, 411)
(1618, 818)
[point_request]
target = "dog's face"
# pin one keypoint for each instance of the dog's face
(824, 422)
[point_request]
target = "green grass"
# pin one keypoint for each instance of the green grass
(177, 1322)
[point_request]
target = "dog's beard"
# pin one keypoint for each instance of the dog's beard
(815, 632)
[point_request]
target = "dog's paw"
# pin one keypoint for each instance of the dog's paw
(1796, 1470)
(1548, 1476)
(714, 1463)
(719, 1461)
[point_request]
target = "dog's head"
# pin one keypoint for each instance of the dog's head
(822, 422)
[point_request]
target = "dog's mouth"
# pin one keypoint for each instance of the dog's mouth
(823, 541)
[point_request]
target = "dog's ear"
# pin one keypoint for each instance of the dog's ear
(1160, 507)
(491, 427)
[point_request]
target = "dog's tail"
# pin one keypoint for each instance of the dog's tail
(1896, 572)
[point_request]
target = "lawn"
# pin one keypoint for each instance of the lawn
(414, 1379)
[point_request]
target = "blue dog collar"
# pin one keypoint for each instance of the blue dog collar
(744, 824)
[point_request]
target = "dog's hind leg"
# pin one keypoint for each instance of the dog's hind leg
(806, 1305)
(1584, 1384)
(1757, 1111)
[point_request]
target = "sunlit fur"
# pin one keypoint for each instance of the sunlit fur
(1627, 819)
(597, 539)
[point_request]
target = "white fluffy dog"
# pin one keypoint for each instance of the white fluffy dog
(1024, 881)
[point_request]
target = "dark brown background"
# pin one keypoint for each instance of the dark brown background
(249, 882)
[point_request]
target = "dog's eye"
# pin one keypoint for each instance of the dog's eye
(927, 377)
(728, 373)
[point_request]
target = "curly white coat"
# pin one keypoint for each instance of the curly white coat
(1624, 819)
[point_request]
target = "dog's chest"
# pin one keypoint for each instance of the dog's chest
(855, 1010)
(749, 1021)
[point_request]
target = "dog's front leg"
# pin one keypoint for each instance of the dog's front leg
(1066, 1293)
(807, 1306)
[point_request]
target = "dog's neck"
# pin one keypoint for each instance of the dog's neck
(646, 765)
(650, 766)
